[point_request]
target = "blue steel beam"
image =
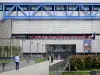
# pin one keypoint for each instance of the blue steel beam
(36, 10)
(10, 11)
(29, 10)
(22, 10)
(66, 10)
(85, 11)
(44, 7)
(16, 11)
(73, 11)
(79, 11)
(47, 11)
(92, 11)
(97, 12)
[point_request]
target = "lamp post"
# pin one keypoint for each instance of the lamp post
(37, 49)
(11, 42)
(42, 49)
(51, 50)
(30, 49)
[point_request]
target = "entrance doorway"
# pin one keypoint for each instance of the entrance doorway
(64, 50)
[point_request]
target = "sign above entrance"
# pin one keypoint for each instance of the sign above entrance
(52, 36)
(57, 37)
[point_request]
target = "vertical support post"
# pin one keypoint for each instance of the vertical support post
(54, 11)
(92, 12)
(46, 51)
(79, 10)
(42, 49)
(41, 10)
(83, 44)
(11, 42)
(3, 11)
(16, 11)
(30, 50)
(66, 10)
(37, 49)
(22, 48)
(29, 10)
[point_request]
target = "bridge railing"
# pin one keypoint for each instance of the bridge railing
(60, 66)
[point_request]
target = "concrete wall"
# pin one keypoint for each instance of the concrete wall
(5, 29)
(55, 26)
(5, 34)
(8, 42)
(96, 46)
(50, 27)
(0, 15)
(32, 46)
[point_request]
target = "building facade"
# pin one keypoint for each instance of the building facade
(52, 25)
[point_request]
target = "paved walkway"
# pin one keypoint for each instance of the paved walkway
(37, 69)
(10, 66)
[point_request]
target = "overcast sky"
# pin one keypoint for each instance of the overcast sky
(86, 1)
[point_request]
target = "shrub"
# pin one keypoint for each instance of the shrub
(81, 62)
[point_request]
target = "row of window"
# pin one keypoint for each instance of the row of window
(51, 8)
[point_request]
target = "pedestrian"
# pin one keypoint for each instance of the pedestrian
(17, 59)
(59, 57)
(52, 58)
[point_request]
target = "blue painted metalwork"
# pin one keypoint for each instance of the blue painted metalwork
(16, 11)
(52, 10)
(22, 10)
(79, 11)
(73, 11)
(10, 11)
(29, 10)
(85, 11)
(36, 10)
(47, 11)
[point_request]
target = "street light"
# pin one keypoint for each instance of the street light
(30, 49)
(51, 49)
(37, 49)
(42, 49)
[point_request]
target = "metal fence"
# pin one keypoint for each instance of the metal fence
(9, 48)
(60, 66)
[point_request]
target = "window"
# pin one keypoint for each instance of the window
(87, 8)
(96, 7)
(0, 7)
(60, 8)
(49, 7)
(71, 8)
(24, 7)
(33, 8)
(8, 7)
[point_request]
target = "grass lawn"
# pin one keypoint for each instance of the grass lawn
(38, 60)
(5, 61)
(76, 73)
(51, 73)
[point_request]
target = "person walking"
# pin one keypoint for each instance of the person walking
(17, 59)
(52, 58)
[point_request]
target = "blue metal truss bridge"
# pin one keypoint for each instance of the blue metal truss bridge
(49, 11)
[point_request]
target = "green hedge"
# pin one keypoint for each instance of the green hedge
(38, 60)
(76, 73)
(84, 62)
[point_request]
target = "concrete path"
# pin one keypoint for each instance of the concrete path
(37, 69)
(10, 66)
